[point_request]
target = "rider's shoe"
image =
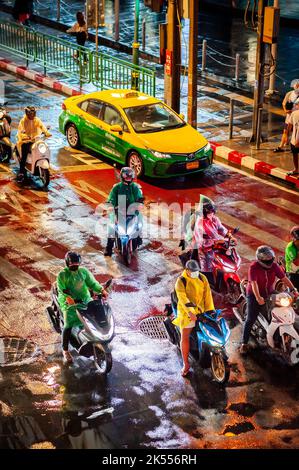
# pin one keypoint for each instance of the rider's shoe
(139, 241)
(67, 357)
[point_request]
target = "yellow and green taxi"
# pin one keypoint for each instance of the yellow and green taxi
(135, 130)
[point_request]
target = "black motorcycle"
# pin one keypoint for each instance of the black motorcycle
(5, 131)
(93, 337)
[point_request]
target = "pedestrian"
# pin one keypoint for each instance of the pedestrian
(288, 104)
(22, 11)
(80, 30)
(293, 127)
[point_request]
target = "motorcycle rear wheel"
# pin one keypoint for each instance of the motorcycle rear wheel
(102, 359)
(220, 368)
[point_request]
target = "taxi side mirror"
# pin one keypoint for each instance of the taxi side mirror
(116, 128)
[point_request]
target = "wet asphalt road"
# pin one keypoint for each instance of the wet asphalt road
(144, 402)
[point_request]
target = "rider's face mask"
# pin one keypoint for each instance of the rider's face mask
(74, 267)
(194, 274)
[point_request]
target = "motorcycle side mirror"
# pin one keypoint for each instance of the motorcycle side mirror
(236, 230)
(108, 284)
(48, 127)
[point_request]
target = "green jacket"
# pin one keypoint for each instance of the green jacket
(291, 254)
(75, 284)
(132, 192)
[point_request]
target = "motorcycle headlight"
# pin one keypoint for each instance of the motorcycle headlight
(207, 148)
(42, 148)
(283, 301)
(160, 154)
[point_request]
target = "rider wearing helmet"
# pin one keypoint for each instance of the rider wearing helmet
(29, 128)
(262, 274)
(191, 287)
(74, 284)
(292, 257)
(203, 230)
(122, 196)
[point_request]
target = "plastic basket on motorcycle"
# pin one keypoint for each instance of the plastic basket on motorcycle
(153, 327)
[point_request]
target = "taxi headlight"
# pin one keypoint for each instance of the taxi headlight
(160, 154)
(207, 148)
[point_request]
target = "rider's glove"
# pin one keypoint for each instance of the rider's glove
(182, 244)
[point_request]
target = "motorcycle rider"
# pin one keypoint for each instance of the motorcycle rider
(74, 284)
(132, 193)
(262, 274)
(29, 128)
(292, 257)
(203, 231)
(191, 287)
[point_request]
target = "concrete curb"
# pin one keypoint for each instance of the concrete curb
(37, 77)
(231, 156)
(249, 163)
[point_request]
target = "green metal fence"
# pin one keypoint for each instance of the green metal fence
(75, 61)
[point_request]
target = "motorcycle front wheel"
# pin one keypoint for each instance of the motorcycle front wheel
(127, 255)
(44, 175)
(102, 359)
(220, 368)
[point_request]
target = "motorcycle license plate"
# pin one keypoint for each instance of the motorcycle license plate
(192, 165)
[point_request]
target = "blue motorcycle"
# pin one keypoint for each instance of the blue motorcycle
(207, 340)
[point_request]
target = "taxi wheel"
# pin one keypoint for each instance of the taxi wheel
(72, 136)
(135, 162)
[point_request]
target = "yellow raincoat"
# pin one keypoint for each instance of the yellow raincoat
(197, 291)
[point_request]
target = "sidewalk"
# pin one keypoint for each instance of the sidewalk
(224, 40)
(213, 110)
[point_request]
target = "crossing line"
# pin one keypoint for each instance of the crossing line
(284, 204)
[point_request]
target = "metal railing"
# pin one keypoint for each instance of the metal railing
(75, 61)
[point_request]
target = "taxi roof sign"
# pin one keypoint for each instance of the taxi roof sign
(131, 94)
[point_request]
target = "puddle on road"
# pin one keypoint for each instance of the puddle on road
(17, 351)
(239, 428)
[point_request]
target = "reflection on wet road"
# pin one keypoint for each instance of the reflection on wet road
(144, 402)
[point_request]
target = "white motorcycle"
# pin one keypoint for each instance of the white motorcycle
(278, 329)
(38, 159)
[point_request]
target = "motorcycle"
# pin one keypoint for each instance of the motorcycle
(5, 130)
(127, 229)
(93, 338)
(208, 339)
(278, 329)
(38, 159)
(226, 264)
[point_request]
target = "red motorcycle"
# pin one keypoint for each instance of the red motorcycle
(226, 264)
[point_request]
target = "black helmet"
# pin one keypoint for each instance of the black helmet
(192, 265)
(127, 174)
(265, 256)
(208, 206)
(295, 232)
(30, 111)
(72, 259)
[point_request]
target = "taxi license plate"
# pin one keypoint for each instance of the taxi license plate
(192, 165)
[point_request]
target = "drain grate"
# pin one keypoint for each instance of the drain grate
(15, 350)
(153, 327)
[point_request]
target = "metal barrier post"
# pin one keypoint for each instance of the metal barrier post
(143, 33)
(259, 128)
(237, 69)
(204, 55)
(44, 56)
(58, 10)
(231, 118)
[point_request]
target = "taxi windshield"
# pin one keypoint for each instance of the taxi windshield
(153, 118)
